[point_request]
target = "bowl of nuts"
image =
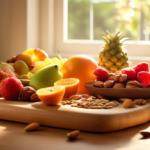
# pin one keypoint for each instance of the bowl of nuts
(112, 89)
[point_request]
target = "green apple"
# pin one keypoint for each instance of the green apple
(7, 66)
(45, 77)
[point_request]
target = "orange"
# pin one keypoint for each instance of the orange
(51, 95)
(80, 67)
(71, 85)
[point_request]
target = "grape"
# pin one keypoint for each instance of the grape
(38, 65)
(47, 61)
(30, 74)
(21, 67)
(56, 61)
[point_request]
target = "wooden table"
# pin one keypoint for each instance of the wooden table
(13, 137)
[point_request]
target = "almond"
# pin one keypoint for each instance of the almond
(119, 85)
(98, 84)
(128, 103)
(116, 78)
(108, 83)
(75, 97)
(123, 78)
(32, 126)
(73, 135)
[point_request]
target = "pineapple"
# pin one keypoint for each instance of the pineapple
(113, 56)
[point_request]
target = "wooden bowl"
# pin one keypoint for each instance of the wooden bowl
(117, 92)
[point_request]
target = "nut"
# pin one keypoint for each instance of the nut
(32, 126)
(85, 95)
(26, 93)
(122, 99)
(75, 97)
(73, 135)
(111, 76)
(133, 84)
(25, 82)
(108, 83)
(123, 78)
(116, 78)
(34, 98)
(139, 101)
(119, 85)
(98, 84)
(91, 103)
(128, 103)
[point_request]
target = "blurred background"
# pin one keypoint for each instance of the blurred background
(73, 26)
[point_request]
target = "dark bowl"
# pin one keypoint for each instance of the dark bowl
(117, 92)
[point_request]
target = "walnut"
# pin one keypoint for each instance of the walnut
(139, 101)
(26, 93)
(34, 97)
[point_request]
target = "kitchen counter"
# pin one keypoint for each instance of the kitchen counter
(14, 137)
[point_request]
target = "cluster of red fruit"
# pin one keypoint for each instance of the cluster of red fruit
(139, 72)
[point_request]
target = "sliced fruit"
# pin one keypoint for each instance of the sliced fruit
(71, 85)
(51, 95)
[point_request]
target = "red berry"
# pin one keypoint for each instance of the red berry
(10, 88)
(143, 66)
(101, 74)
(130, 73)
(144, 78)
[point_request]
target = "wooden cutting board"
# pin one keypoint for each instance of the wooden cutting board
(93, 120)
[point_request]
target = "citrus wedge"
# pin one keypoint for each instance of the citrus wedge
(71, 85)
(51, 95)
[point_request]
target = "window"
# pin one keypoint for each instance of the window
(88, 18)
(75, 26)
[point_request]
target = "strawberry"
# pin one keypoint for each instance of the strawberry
(101, 74)
(130, 73)
(11, 88)
(144, 78)
(143, 66)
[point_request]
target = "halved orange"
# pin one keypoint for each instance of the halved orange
(51, 95)
(71, 85)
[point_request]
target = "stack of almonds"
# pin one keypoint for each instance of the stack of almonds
(118, 81)
(136, 77)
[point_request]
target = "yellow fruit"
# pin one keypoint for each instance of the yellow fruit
(26, 58)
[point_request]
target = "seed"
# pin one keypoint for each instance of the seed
(32, 126)
(73, 135)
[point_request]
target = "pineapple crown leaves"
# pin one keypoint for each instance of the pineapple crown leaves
(116, 37)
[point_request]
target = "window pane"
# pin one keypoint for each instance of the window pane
(129, 16)
(78, 19)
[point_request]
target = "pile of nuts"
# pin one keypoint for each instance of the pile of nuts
(90, 102)
(117, 81)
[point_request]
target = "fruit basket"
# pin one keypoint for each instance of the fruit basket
(117, 92)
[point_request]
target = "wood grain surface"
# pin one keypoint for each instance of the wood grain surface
(65, 116)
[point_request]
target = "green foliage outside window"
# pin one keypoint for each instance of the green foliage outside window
(129, 16)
